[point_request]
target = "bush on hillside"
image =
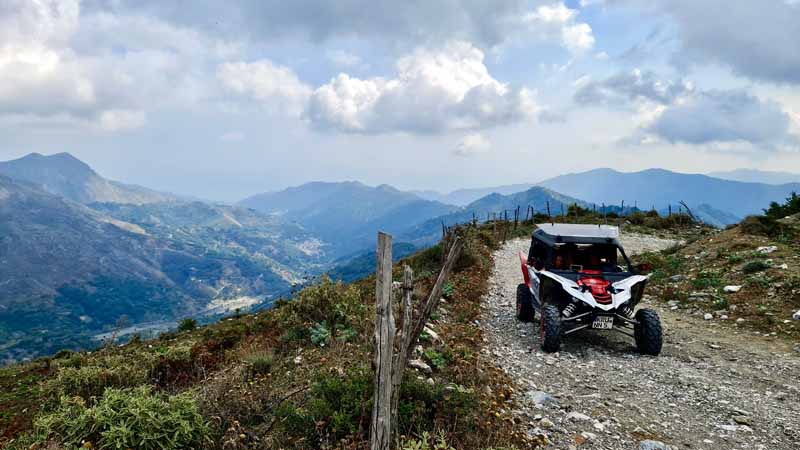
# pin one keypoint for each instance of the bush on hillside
(779, 211)
(126, 418)
(90, 379)
(187, 324)
(763, 226)
(338, 308)
(755, 266)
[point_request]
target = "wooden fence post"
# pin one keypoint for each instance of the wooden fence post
(392, 352)
(381, 428)
(403, 346)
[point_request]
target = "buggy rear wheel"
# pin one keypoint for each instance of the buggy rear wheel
(525, 311)
(551, 328)
(648, 332)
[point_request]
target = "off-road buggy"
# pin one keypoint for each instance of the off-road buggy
(578, 277)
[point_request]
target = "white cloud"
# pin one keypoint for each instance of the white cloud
(276, 87)
(472, 144)
(121, 119)
(432, 92)
(754, 38)
(556, 20)
(59, 64)
(729, 116)
(635, 86)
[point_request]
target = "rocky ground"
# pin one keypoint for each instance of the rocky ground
(709, 389)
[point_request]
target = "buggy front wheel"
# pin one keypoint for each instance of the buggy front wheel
(647, 332)
(551, 328)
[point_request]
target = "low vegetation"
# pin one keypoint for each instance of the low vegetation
(747, 276)
(296, 376)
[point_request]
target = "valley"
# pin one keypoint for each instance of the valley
(108, 258)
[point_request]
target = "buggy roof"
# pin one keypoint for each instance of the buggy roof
(564, 233)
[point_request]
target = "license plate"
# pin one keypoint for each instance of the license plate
(603, 323)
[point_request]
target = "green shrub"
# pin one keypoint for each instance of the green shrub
(448, 289)
(338, 402)
(336, 305)
(258, 363)
(187, 324)
(763, 226)
(755, 266)
(90, 381)
(426, 442)
(424, 407)
(779, 211)
(436, 359)
(126, 419)
(706, 280)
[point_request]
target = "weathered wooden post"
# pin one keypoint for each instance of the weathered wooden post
(392, 352)
(381, 428)
(403, 347)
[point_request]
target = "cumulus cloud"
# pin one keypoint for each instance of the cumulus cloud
(407, 24)
(725, 116)
(627, 87)
(275, 86)
(472, 144)
(675, 111)
(755, 38)
(60, 65)
(558, 21)
(432, 92)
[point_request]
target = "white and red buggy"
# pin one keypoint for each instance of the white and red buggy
(578, 276)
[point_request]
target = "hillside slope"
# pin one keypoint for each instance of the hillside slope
(657, 187)
(68, 272)
(348, 214)
(537, 197)
(64, 175)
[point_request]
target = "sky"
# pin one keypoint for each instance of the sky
(221, 100)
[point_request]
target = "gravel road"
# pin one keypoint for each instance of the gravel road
(709, 389)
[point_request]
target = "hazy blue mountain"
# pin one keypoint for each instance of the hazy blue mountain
(359, 266)
(658, 187)
(537, 197)
(64, 175)
(348, 214)
(69, 272)
(463, 197)
(714, 217)
(758, 176)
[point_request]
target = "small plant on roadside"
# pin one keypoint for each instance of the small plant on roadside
(448, 289)
(427, 442)
(436, 359)
(755, 266)
(258, 363)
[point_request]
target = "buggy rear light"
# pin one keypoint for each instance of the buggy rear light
(594, 282)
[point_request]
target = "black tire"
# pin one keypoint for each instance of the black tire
(525, 311)
(648, 332)
(551, 328)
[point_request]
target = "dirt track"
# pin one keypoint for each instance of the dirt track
(711, 388)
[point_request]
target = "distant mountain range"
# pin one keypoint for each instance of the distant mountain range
(538, 197)
(757, 176)
(657, 187)
(64, 175)
(463, 197)
(79, 252)
(348, 214)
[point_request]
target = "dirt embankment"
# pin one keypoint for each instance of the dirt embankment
(709, 389)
